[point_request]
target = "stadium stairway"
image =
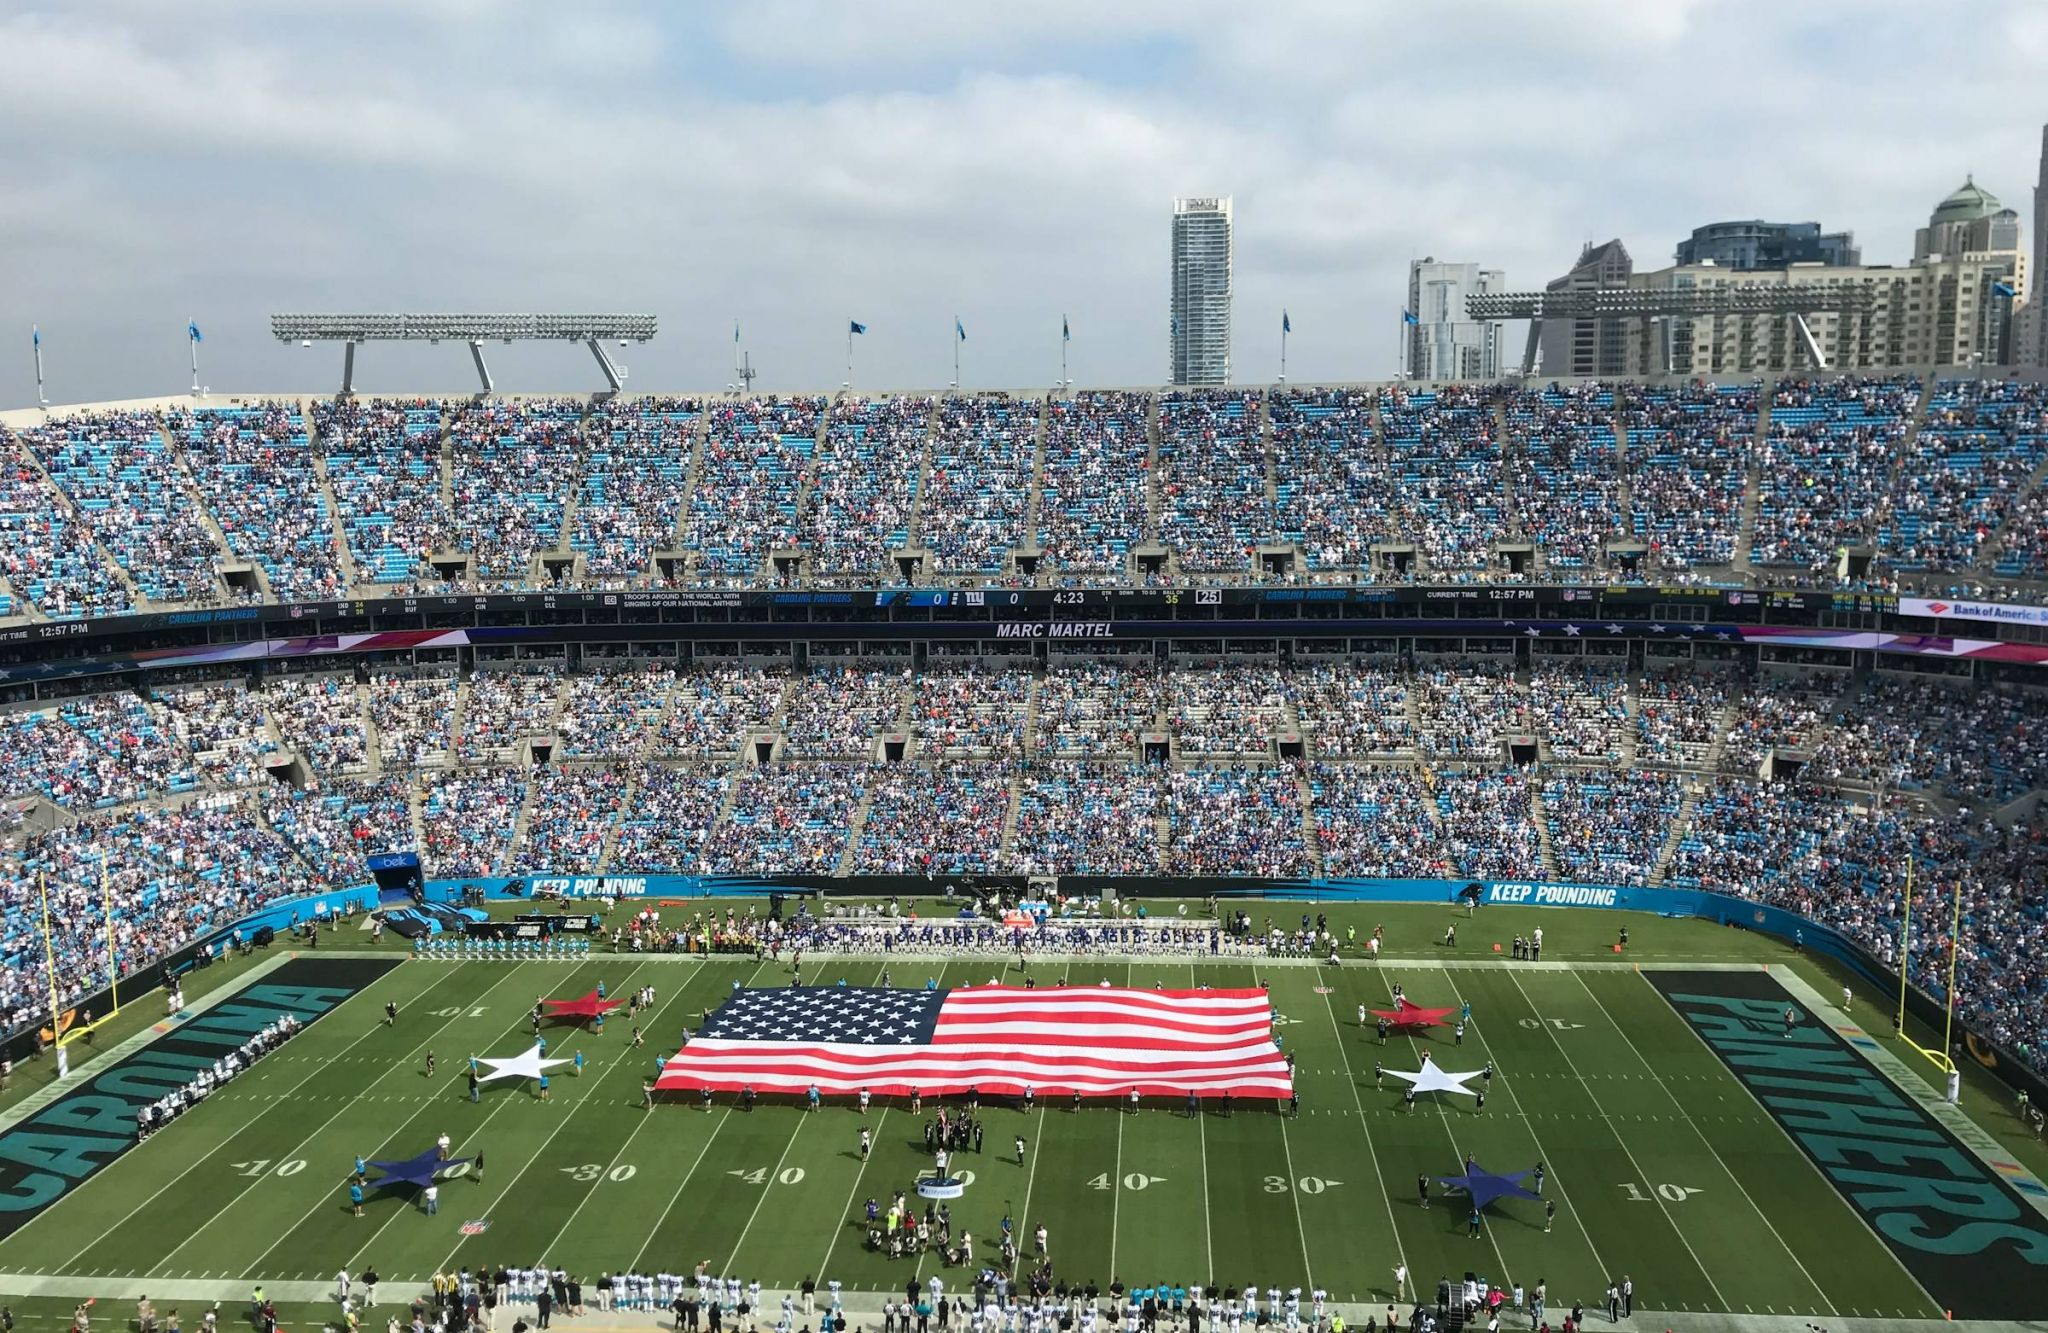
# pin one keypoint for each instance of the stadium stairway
(458, 716)
(1272, 468)
(1681, 824)
(1310, 843)
(77, 516)
(446, 451)
(413, 812)
(373, 742)
(923, 486)
(1624, 494)
(807, 478)
(1009, 831)
(572, 499)
(700, 430)
(1542, 823)
(627, 798)
(1752, 483)
(1034, 499)
(1510, 512)
(1988, 554)
(337, 527)
(1909, 443)
(854, 827)
(1150, 537)
(517, 842)
(182, 473)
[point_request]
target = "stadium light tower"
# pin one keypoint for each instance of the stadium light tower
(349, 330)
(1797, 300)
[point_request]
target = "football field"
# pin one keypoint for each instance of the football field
(1663, 1166)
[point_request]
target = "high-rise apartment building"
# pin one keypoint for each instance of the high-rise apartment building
(1199, 352)
(1952, 306)
(2030, 325)
(1760, 244)
(1443, 342)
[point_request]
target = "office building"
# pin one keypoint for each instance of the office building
(1759, 244)
(1589, 347)
(1200, 320)
(1443, 343)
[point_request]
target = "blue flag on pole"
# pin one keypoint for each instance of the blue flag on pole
(35, 334)
(1408, 316)
(1066, 333)
(192, 331)
(2002, 289)
(855, 326)
(1286, 324)
(959, 328)
(735, 331)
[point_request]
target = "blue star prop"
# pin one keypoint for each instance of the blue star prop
(1484, 1186)
(418, 1171)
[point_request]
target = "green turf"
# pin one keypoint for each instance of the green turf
(1662, 1166)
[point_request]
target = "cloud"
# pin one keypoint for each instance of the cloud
(792, 162)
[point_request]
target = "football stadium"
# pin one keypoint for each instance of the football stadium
(702, 847)
(1500, 845)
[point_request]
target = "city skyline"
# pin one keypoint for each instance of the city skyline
(912, 165)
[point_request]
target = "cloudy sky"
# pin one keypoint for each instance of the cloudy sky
(794, 163)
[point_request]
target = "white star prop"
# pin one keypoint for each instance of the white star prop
(1433, 1078)
(528, 1064)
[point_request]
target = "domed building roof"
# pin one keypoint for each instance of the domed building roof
(1970, 202)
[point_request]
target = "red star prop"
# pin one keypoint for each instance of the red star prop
(1407, 1015)
(583, 1006)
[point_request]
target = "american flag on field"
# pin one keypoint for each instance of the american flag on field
(1099, 1041)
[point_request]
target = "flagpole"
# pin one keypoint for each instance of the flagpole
(1066, 336)
(36, 336)
(1283, 351)
(849, 356)
(193, 343)
(956, 354)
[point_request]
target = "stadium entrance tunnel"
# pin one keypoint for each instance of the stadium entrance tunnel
(1396, 560)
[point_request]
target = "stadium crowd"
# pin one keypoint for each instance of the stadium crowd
(1606, 482)
(1642, 772)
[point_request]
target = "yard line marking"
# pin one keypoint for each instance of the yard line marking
(1400, 1251)
(1627, 1151)
(831, 1244)
(681, 1185)
(1031, 1175)
(498, 1106)
(1787, 1134)
(773, 1175)
(202, 1160)
(1202, 1129)
(1116, 1181)
(1711, 1149)
(766, 1186)
(645, 1116)
(1444, 1119)
(1507, 1085)
(1294, 1189)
